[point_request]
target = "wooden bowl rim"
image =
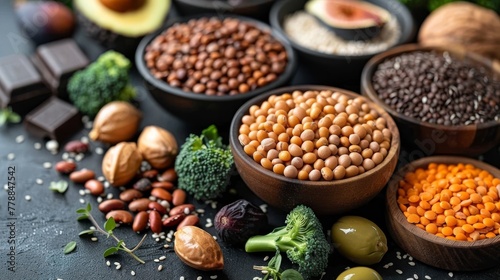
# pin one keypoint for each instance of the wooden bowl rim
(398, 217)
(167, 89)
(314, 185)
(210, 5)
(370, 67)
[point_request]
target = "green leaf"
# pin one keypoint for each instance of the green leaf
(89, 207)
(291, 274)
(3, 118)
(70, 247)
(14, 118)
(82, 217)
(110, 225)
(8, 116)
(59, 186)
(110, 251)
(81, 211)
(88, 231)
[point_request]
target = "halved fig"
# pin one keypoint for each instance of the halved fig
(350, 19)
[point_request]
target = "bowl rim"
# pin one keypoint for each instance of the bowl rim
(210, 4)
(316, 185)
(163, 86)
(400, 219)
(370, 67)
(404, 38)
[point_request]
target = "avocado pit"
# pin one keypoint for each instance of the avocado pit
(123, 6)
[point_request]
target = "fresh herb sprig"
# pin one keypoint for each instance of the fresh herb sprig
(8, 116)
(109, 226)
(273, 270)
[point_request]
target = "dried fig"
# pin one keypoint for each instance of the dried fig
(198, 249)
(157, 146)
(115, 122)
(121, 163)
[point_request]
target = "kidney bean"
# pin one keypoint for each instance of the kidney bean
(178, 197)
(138, 205)
(111, 204)
(161, 194)
(151, 174)
(163, 185)
(153, 205)
(120, 216)
(76, 146)
(155, 221)
(181, 209)
(189, 220)
(140, 221)
(81, 176)
(94, 186)
(130, 194)
(174, 220)
(65, 167)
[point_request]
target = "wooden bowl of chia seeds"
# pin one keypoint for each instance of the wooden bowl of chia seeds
(327, 58)
(445, 101)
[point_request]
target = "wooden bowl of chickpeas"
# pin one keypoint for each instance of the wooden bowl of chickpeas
(328, 148)
(445, 212)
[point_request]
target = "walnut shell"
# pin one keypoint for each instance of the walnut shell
(198, 249)
(115, 122)
(463, 25)
(121, 162)
(157, 146)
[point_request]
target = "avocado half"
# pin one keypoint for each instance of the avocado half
(350, 19)
(121, 31)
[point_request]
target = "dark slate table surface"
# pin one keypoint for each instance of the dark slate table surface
(47, 222)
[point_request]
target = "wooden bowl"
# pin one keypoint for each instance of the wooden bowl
(431, 249)
(430, 139)
(256, 8)
(324, 197)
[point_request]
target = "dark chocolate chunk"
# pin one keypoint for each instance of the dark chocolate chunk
(57, 61)
(21, 86)
(54, 119)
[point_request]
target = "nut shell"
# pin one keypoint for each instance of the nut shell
(117, 121)
(121, 162)
(157, 146)
(198, 249)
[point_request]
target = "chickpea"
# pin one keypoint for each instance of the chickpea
(309, 158)
(266, 163)
(314, 175)
(356, 158)
(290, 171)
(272, 154)
(297, 162)
(307, 135)
(344, 160)
(318, 164)
(351, 171)
(279, 168)
(307, 146)
(327, 173)
(324, 152)
(331, 162)
(284, 155)
(339, 172)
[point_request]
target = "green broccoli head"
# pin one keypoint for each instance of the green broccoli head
(302, 239)
(204, 165)
(101, 82)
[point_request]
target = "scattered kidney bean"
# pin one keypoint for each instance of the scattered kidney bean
(94, 186)
(130, 194)
(181, 209)
(189, 220)
(153, 205)
(161, 194)
(178, 197)
(140, 221)
(81, 176)
(76, 146)
(173, 220)
(151, 174)
(155, 221)
(111, 204)
(138, 205)
(120, 216)
(168, 175)
(229, 57)
(65, 167)
(163, 185)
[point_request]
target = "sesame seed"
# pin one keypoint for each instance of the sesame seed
(201, 211)
(160, 267)
(156, 260)
(207, 225)
(213, 204)
(415, 276)
(109, 196)
(427, 277)
(266, 258)
(81, 192)
(181, 278)
(79, 157)
(39, 181)
(65, 156)
(162, 258)
(20, 139)
(411, 263)
(27, 197)
(152, 198)
(92, 228)
(157, 239)
(162, 237)
(99, 199)
(410, 258)
(116, 263)
(450, 274)
(213, 277)
(84, 139)
(186, 211)
(47, 165)
(166, 246)
(263, 207)
(94, 239)
(108, 263)
(215, 237)
(410, 278)
(132, 273)
(86, 191)
(37, 146)
(99, 151)
(106, 184)
(11, 156)
(118, 267)
(155, 235)
(101, 178)
(52, 146)
(82, 201)
(199, 278)
(6, 187)
(399, 271)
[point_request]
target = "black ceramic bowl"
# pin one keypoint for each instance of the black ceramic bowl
(201, 109)
(252, 8)
(332, 69)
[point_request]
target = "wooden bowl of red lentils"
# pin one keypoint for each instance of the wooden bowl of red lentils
(445, 212)
(328, 148)
(203, 68)
(445, 101)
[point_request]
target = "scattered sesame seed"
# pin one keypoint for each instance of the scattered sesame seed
(450, 274)
(263, 207)
(92, 228)
(94, 239)
(347, 267)
(88, 125)
(160, 267)
(99, 151)
(166, 246)
(155, 235)
(410, 258)
(86, 191)
(152, 198)
(39, 181)
(116, 263)
(386, 266)
(27, 197)
(106, 184)
(99, 199)
(199, 278)
(200, 211)
(157, 239)
(11, 156)
(398, 256)
(52, 146)
(65, 156)
(415, 276)
(84, 139)
(213, 277)
(162, 258)
(213, 204)
(109, 196)
(165, 204)
(181, 278)
(427, 277)
(118, 267)
(257, 278)
(156, 260)
(215, 237)
(405, 256)
(266, 258)
(232, 191)
(399, 271)
(81, 192)
(132, 273)
(410, 278)
(162, 237)
(37, 146)
(207, 225)
(47, 165)
(168, 239)
(6, 187)
(79, 157)
(82, 201)
(101, 178)
(411, 263)
(108, 263)
(20, 139)
(186, 211)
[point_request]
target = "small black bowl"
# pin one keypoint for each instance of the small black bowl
(201, 109)
(252, 8)
(333, 69)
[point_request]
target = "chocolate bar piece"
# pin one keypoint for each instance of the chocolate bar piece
(54, 119)
(21, 86)
(57, 61)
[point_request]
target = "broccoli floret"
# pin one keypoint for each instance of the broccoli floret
(204, 165)
(302, 239)
(101, 82)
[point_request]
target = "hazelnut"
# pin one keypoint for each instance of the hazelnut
(115, 122)
(121, 163)
(157, 146)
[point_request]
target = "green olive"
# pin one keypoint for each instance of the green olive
(359, 240)
(359, 273)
